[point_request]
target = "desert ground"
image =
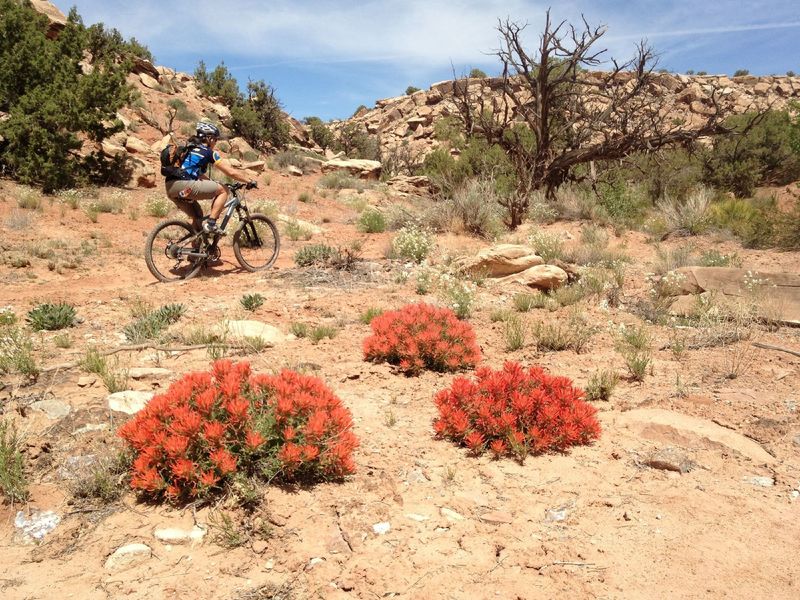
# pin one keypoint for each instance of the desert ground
(420, 518)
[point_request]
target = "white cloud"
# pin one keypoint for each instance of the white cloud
(413, 36)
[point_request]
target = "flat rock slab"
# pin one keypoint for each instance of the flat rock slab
(314, 229)
(149, 373)
(128, 555)
(658, 424)
(129, 402)
(177, 536)
(54, 409)
(240, 330)
(782, 290)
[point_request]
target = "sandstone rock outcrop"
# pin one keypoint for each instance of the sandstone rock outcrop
(500, 261)
(541, 277)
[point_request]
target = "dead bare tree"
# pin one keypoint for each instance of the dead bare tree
(551, 111)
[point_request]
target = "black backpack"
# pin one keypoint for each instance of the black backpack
(172, 158)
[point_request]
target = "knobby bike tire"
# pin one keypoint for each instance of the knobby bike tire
(258, 257)
(158, 246)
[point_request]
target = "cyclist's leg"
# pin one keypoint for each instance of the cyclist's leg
(191, 191)
(218, 204)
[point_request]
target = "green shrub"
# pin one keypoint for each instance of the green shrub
(764, 154)
(714, 258)
(182, 112)
(369, 314)
(547, 245)
(625, 204)
(689, 216)
(289, 158)
(476, 208)
(458, 296)
(321, 134)
(514, 333)
(633, 343)
(752, 221)
(354, 140)
(63, 341)
(320, 332)
(412, 243)
(340, 180)
(158, 206)
(295, 231)
(372, 221)
(299, 330)
(13, 483)
(219, 83)
(16, 352)
(51, 317)
(106, 481)
(314, 254)
(411, 89)
(259, 118)
(787, 231)
(152, 323)
(53, 107)
(557, 336)
(476, 73)
(252, 302)
(525, 301)
(305, 197)
(601, 385)
(29, 199)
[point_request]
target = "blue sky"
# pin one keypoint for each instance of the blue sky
(327, 57)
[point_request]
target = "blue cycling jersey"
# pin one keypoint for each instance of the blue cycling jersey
(197, 161)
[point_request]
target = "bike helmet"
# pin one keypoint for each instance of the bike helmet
(207, 130)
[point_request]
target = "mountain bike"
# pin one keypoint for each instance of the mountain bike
(175, 251)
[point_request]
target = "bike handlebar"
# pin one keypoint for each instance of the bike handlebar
(235, 187)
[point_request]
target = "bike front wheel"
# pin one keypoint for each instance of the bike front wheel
(171, 251)
(256, 243)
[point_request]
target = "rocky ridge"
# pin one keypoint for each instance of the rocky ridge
(409, 119)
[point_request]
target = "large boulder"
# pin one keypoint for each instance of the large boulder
(541, 277)
(780, 291)
(149, 81)
(365, 169)
(57, 19)
(134, 145)
(501, 260)
(244, 330)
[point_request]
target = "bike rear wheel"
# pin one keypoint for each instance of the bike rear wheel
(256, 243)
(168, 249)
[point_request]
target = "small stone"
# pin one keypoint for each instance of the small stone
(760, 481)
(796, 440)
(382, 528)
(346, 584)
(128, 402)
(669, 459)
(270, 564)
(86, 381)
(417, 518)
(90, 428)
(497, 518)
(450, 514)
(314, 562)
(292, 170)
(176, 536)
(128, 555)
(54, 409)
(260, 546)
(556, 515)
(37, 525)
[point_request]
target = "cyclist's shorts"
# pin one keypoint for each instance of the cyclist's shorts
(203, 189)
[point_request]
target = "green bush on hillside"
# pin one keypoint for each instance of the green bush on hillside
(52, 106)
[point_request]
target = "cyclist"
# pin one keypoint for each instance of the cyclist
(194, 184)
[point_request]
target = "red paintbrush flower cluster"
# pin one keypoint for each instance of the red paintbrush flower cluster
(188, 441)
(515, 412)
(422, 336)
